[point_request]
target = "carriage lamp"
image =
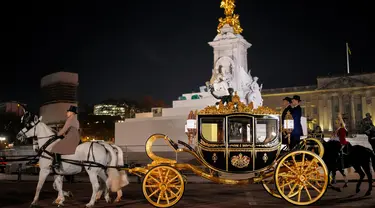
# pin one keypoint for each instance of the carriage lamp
(191, 127)
(288, 124)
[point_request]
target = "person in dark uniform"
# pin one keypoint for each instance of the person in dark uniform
(297, 132)
(224, 99)
(287, 107)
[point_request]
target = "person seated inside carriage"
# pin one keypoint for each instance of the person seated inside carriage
(69, 136)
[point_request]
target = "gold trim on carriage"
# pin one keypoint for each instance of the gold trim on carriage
(237, 139)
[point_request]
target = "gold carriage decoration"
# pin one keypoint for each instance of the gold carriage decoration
(299, 176)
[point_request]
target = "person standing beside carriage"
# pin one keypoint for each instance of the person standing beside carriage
(69, 136)
(296, 112)
(287, 107)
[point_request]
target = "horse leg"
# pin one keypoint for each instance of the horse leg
(367, 170)
(43, 173)
(345, 178)
(102, 186)
(333, 176)
(58, 183)
(119, 195)
(93, 175)
(103, 177)
(361, 174)
(66, 193)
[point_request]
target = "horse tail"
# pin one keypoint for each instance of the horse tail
(120, 162)
(113, 180)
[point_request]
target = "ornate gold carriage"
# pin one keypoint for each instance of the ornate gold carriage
(236, 139)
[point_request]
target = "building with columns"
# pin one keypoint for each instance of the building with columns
(352, 95)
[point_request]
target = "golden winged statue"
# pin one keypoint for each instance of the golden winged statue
(230, 18)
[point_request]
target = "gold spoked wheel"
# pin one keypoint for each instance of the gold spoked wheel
(269, 185)
(301, 177)
(163, 186)
(313, 145)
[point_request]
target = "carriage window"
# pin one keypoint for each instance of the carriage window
(212, 129)
(266, 130)
(240, 130)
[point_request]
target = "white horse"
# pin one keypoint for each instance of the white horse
(100, 153)
(123, 175)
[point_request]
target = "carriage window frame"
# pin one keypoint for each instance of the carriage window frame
(277, 126)
(222, 133)
(252, 129)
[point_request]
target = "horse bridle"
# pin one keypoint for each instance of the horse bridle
(34, 138)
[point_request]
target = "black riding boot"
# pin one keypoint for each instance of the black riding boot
(57, 160)
(342, 160)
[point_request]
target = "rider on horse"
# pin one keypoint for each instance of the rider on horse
(69, 136)
(340, 134)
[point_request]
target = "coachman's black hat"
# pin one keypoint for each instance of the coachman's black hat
(288, 99)
(73, 109)
(296, 97)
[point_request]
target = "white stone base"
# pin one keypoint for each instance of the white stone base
(133, 133)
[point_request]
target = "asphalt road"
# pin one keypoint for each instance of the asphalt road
(18, 195)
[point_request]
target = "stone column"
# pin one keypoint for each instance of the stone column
(364, 106)
(341, 108)
(352, 108)
(329, 112)
(321, 114)
(373, 109)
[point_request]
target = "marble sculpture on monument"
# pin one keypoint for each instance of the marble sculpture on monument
(230, 55)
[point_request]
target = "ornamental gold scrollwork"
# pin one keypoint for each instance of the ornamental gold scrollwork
(237, 107)
(211, 145)
(230, 18)
(240, 161)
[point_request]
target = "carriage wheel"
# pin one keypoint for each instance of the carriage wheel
(313, 145)
(301, 177)
(163, 186)
(270, 186)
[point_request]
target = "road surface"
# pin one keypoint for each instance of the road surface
(18, 195)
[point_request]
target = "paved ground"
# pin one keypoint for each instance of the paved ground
(18, 195)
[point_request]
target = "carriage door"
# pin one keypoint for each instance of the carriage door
(240, 143)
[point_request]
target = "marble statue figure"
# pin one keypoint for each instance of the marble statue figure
(254, 95)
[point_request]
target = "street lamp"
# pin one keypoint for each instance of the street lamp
(191, 127)
(288, 125)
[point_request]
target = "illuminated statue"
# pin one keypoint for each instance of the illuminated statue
(228, 6)
(230, 18)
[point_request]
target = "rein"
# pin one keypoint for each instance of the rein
(53, 138)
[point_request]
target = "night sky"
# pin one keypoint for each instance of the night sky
(129, 49)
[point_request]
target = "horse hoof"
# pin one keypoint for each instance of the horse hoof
(345, 185)
(108, 200)
(89, 205)
(357, 190)
(368, 193)
(60, 205)
(117, 201)
(33, 206)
